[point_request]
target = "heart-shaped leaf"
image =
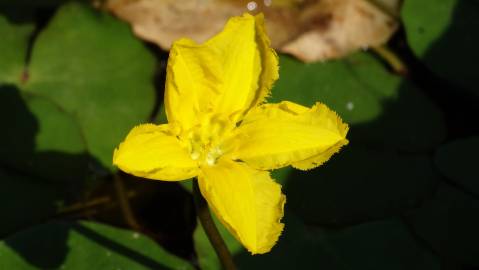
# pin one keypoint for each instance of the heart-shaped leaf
(443, 35)
(383, 109)
(91, 70)
(458, 160)
(91, 66)
(448, 223)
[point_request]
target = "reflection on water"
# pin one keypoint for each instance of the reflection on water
(261, 6)
(251, 6)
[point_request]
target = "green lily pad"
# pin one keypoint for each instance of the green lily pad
(377, 245)
(443, 34)
(360, 184)
(92, 67)
(89, 80)
(458, 162)
(366, 181)
(95, 76)
(383, 109)
(13, 48)
(448, 223)
(32, 142)
(84, 245)
(25, 201)
(356, 247)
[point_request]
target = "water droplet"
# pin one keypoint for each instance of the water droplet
(251, 5)
(350, 106)
(136, 235)
(268, 2)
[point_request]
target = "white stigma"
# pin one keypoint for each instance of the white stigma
(195, 155)
(210, 160)
(213, 155)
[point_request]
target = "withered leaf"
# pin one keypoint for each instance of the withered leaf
(312, 30)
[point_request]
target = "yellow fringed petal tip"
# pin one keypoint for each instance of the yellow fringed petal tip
(220, 131)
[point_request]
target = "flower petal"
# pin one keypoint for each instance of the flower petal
(151, 151)
(277, 135)
(269, 62)
(247, 201)
(228, 74)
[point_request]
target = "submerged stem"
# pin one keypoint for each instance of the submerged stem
(210, 229)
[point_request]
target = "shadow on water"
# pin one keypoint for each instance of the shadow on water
(387, 170)
(447, 73)
(34, 183)
(118, 248)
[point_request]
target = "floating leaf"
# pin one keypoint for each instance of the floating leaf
(13, 48)
(93, 68)
(354, 247)
(448, 223)
(377, 245)
(25, 201)
(90, 71)
(373, 246)
(32, 142)
(383, 109)
(443, 35)
(458, 160)
(84, 245)
(88, 81)
(368, 180)
(360, 184)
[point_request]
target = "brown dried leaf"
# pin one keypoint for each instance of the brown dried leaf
(311, 30)
(334, 28)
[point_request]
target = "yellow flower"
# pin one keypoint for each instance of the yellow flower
(219, 131)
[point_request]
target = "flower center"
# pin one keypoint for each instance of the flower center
(205, 140)
(204, 153)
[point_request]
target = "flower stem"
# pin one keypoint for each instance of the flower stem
(392, 59)
(212, 232)
(125, 203)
